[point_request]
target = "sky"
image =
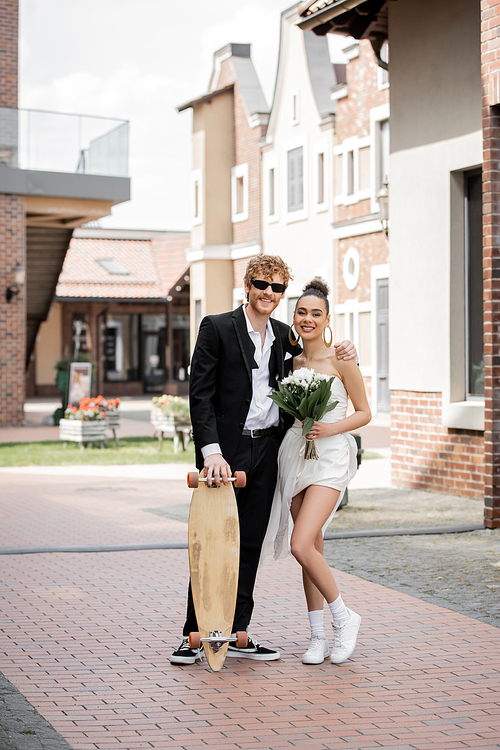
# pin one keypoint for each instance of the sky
(137, 60)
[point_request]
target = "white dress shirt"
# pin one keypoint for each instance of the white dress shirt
(263, 412)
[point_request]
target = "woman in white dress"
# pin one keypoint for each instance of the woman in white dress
(311, 490)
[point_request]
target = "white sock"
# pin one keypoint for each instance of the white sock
(338, 610)
(316, 622)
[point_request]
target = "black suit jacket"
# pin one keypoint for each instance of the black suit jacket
(220, 388)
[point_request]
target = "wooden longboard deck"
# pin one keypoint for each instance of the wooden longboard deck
(214, 550)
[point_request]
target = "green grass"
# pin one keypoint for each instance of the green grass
(132, 450)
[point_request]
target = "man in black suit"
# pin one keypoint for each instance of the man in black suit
(238, 358)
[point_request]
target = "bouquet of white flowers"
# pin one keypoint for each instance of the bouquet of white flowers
(304, 394)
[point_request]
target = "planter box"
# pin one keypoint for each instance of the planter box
(112, 420)
(179, 429)
(78, 431)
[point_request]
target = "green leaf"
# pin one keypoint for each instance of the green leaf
(308, 423)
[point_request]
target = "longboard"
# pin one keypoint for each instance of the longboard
(214, 553)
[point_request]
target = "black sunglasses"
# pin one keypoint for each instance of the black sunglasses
(259, 284)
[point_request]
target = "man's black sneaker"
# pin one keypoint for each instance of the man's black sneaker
(185, 654)
(252, 651)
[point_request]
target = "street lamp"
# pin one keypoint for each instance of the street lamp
(19, 275)
(383, 204)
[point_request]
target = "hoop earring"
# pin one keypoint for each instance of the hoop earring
(293, 341)
(324, 339)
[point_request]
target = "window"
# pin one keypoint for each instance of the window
(272, 187)
(321, 178)
(383, 75)
(295, 107)
(474, 348)
(350, 173)
(239, 193)
(296, 179)
(197, 197)
(351, 156)
(380, 151)
(382, 147)
(197, 314)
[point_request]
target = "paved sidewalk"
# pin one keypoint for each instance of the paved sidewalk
(86, 639)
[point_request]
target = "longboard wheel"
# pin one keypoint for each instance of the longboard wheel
(193, 480)
(194, 640)
(240, 479)
(241, 638)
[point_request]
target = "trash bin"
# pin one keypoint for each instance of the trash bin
(359, 453)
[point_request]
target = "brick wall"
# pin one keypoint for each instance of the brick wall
(429, 456)
(13, 314)
(12, 241)
(490, 72)
(9, 25)
(246, 150)
(373, 251)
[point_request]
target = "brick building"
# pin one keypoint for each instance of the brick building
(228, 123)
(444, 299)
(128, 294)
(361, 158)
(42, 199)
(297, 177)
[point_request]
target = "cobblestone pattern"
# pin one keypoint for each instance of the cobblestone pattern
(425, 454)
(86, 639)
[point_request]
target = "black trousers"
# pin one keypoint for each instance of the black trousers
(258, 457)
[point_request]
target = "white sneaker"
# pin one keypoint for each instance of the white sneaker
(317, 651)
(344, 637)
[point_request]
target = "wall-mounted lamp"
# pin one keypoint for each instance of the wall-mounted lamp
(19, 274)
(383, 204)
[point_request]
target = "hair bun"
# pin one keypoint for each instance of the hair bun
(319, 285)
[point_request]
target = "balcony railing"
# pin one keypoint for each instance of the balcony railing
(56, 142)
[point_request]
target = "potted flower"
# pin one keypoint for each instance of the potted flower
(85, 423)
(112, 413)
(171, 414)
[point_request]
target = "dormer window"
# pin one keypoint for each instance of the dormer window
(112, 266)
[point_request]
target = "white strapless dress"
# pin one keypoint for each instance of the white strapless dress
(335, 467)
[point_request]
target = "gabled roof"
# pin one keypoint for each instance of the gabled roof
(322, 73)
(244, 76)
(153, 267)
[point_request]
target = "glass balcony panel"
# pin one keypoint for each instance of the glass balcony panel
(57, 142)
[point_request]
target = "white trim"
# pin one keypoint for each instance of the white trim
(238, 294)
(351, 279)
(295, 98)
(271, 162)
(383, 75)
(354, 144)
(321, 147)
(208, 252)
(245, 251)
(197, 177)
(357, 230)
(291, 143)
(464, 415)
(240, 171)
(339, 91)
(351, 51)
(353, 307)
(377, 115)
(376, 272)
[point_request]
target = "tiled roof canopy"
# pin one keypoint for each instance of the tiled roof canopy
(149, 269)
(362, 19)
